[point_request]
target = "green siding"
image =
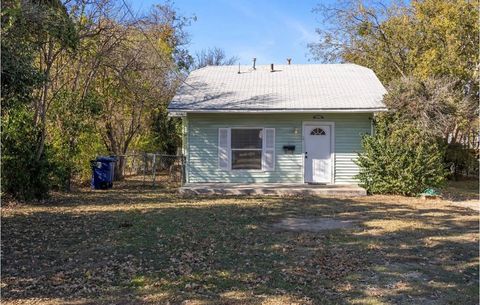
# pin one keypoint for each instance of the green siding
(185, 141)
(202, 141)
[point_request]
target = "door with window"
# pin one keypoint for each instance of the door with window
(318, 153)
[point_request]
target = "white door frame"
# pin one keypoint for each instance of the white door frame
(332, 145)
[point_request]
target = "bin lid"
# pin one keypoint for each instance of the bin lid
(430, 192)
(105, 159)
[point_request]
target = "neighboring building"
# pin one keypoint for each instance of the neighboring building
(290, 124)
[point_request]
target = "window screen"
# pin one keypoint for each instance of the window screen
(246, 147)
(246, 138)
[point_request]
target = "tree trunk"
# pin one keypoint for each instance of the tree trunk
(68, 182)
(119, 168)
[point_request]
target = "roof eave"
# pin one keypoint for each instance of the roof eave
(317, 110)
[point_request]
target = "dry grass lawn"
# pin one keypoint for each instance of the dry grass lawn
(134, 245)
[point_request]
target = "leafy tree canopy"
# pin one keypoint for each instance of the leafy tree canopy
(423, 38)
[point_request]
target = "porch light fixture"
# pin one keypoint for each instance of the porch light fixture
(295, 131)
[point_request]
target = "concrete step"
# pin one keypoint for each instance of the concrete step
(271, 189)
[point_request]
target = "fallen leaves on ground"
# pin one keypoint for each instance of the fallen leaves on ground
(140, 245)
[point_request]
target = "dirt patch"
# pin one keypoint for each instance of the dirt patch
(316, 224)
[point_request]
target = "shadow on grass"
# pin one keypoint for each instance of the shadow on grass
(462, 190)
(224, 250)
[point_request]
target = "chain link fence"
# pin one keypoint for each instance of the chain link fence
(151, 169)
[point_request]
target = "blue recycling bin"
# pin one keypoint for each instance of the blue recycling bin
(102, 172)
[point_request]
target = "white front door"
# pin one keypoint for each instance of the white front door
(318, 153)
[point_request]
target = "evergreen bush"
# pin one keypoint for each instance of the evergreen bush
(24, 176)
(400, 159)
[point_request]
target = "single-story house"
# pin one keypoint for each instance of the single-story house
(276, 124)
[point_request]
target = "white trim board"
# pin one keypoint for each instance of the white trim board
(182, 112)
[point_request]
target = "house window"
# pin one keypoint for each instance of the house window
(246, 148)
(318, 132)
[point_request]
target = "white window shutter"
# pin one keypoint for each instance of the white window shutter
(224, 148)
(269, 150)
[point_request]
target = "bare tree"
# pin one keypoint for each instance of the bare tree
(68, 63)
(436, 105)
(213, 57)
(356, 31)
(139, 76)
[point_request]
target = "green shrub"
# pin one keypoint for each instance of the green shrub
(73, 137)
(164, 134)
(400, 159)
(23, 176)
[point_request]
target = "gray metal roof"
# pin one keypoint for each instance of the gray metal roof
(290, 88)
